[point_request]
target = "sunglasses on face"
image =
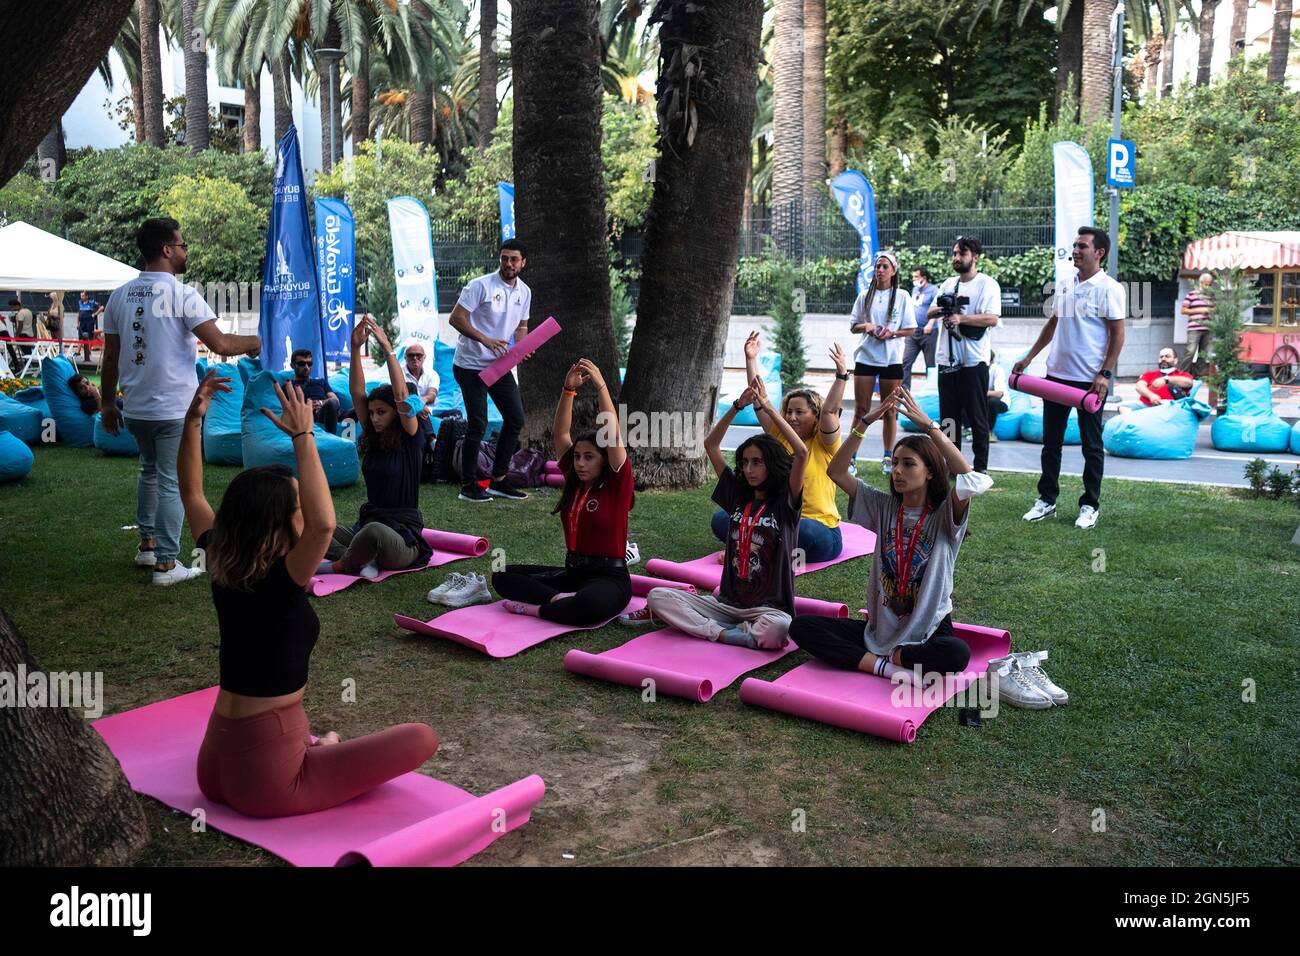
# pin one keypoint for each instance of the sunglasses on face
(302, 364)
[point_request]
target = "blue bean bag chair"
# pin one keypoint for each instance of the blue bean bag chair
(120, 445)
(74, 427)
(16, 458)
(1165, 431)
(1250, 424)
(1031, 426)
(21, 421)
(35, 397)
(1295, 438)
(929, 402)
(1007, 427)
(223, 431)
(264, 444)
(769, 367)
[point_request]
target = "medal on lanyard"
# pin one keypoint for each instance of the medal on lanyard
(745, 535)
(901, 603)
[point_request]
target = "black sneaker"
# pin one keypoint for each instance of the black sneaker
(501, 489)
(473, 493)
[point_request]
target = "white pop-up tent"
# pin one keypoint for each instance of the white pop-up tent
(33, 260)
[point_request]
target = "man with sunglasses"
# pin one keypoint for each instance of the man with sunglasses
(421, 381)
(324, 403)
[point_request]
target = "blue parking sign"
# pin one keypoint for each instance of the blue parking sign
(1121, 156)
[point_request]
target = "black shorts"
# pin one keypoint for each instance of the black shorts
(894, 372)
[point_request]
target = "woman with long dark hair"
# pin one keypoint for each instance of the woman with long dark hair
(756, 600)
(919, 524)
(593, 586)
(261, 549)
(394, 432)
(883, 313)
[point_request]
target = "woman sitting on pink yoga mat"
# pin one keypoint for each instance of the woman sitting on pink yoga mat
(919, 528)
(756, 598)
(395, 431)
(593, 586)
(261, 549)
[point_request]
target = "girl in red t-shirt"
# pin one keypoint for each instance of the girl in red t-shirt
(593, 586)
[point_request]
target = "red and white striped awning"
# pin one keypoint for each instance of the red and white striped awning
(1244, 250)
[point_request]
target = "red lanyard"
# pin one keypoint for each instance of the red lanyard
(745, 535)
(574, 515)
(903, 559)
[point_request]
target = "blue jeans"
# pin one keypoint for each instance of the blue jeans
(818, 542)
(158, 509)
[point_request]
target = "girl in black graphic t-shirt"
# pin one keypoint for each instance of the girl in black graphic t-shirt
(756, 601)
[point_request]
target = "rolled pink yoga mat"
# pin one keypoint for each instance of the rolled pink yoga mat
(553, 481)
(413, 820)
(864, 702)
(448, 546)
(553, 468)
(529, 343)
(1055, 392)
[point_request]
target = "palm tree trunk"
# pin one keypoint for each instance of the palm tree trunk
(66, 800)
(1069, 61)
(195, 48)
(137, 110)
(51, 154)
(1167, 54)
(252, 114)
(1205, 46)
(282, 96)
(839, 146)
(361, 100)
(330, 152)
(1237, 32)
(487, 72)
(420, 102)
(1151, 63)
(688, 267)
(1279, 49)
(560, 194)
(787, 123)
(151, 73)
(1098, 68)
(814, 100)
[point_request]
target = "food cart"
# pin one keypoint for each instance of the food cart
(1272, 327)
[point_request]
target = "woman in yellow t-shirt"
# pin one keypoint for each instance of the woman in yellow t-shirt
(817, 424)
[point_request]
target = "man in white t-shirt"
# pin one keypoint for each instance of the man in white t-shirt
(964, 346)
(490, 310)
(1086, 332)
(150, 324)
(420, 379)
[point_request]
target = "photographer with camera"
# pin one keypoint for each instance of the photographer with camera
(1086, 332)
(967, 306)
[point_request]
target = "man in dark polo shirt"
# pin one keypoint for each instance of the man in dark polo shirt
(324, 403)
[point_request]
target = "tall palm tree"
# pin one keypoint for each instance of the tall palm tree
(1205, 44)
(629, 51)
(814, 99)
(1169, 28)
(787, 119)
(1237, 32)
(1069, 56)
(487, 72)
(1279, 49)
(1098, 60)
(195, 46)
(151, 72)
(252, 114)
(127, 46)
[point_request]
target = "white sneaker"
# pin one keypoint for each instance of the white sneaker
(1012, 685)
(1040, 510)
(1087, 517)
(473, 590)
(177, 574)
(1029, 664)
(633, 553)
(637, 617)
(455, 579)
(145, 559)
(370, 571)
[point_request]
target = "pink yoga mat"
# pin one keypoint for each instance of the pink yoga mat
(447, 547)
(529, 343)
(706, 572)
(679, 665)
(413, 820)
(864, 702)
(1055, 392)
(553, 481)
(553, 468)
(492, 630)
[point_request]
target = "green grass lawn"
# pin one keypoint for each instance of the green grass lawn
(1198, 594)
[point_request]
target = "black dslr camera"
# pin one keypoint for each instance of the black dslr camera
(949, 304)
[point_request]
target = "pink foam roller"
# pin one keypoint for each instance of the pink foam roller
(554, 481)
(456, 543)
(531, 342)
(819, 608)
(553, 468)
(1056, 392)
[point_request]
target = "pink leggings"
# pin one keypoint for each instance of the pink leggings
(265, 766)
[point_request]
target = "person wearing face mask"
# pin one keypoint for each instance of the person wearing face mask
(817, 423)
(755, 601)
(1165, 383)
(920, 524)
(884, 315)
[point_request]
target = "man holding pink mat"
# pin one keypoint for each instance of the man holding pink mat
(1086, 332)
(490, 310)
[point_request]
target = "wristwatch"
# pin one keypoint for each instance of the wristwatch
(1109, 375)
(841, 378)
(736, 405)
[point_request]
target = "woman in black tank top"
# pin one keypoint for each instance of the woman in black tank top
(261, 549)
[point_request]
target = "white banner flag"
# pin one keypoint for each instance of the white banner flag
(417, 289)
(1073, 173)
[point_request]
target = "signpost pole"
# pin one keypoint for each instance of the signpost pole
(1112, 260)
